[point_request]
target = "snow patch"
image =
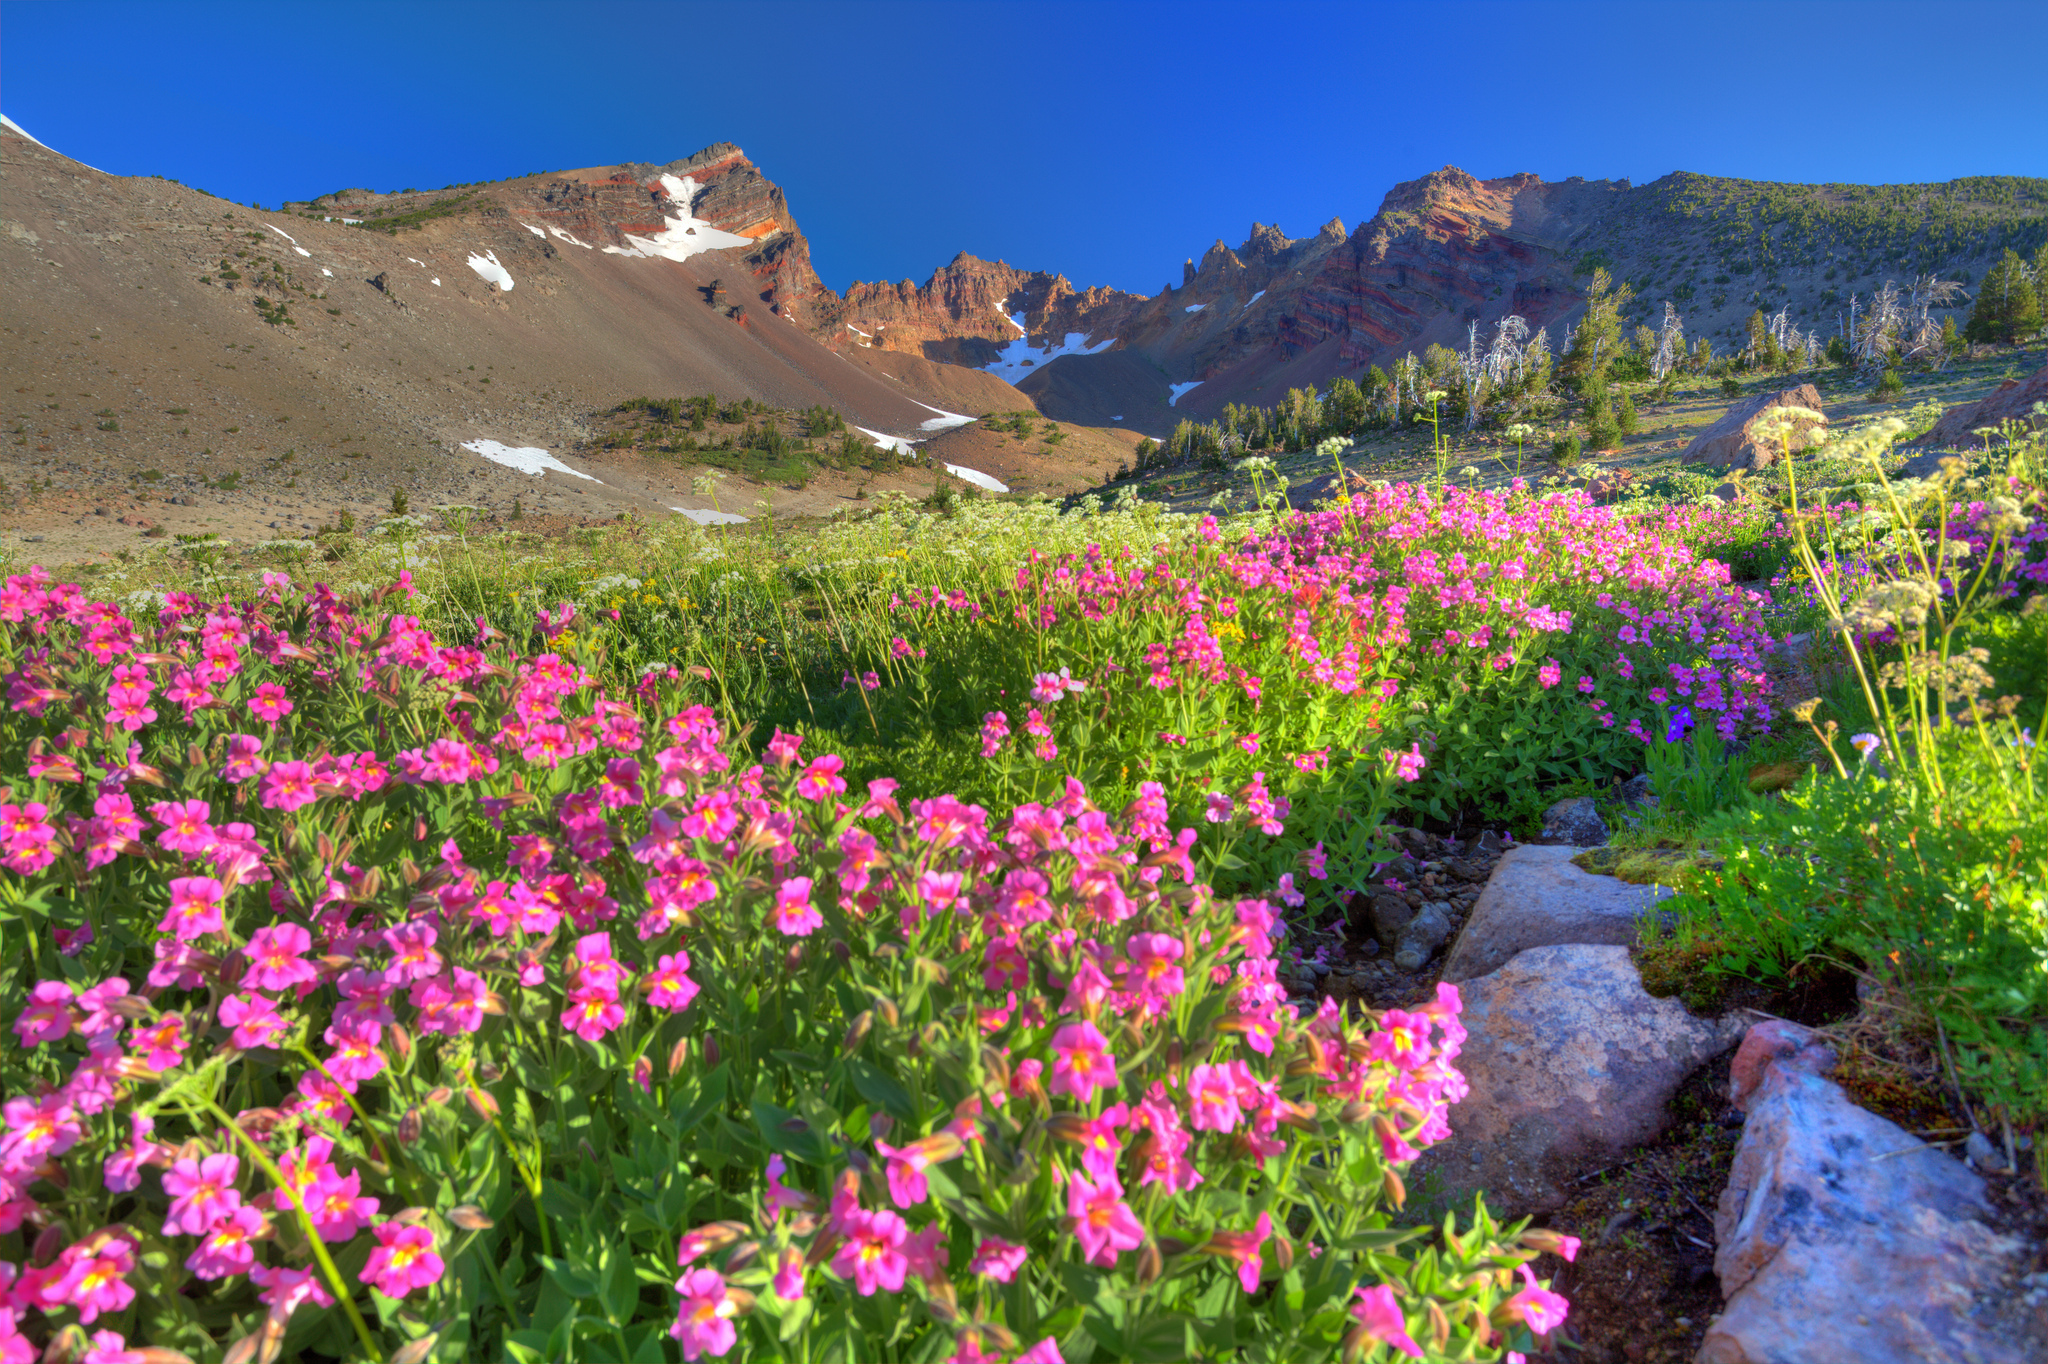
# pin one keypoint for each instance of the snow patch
(327, 272)
(568, 237)
(705, 517)
(1194, 307)
(1253, 299)
(1017, 320)
(527, 459)
(1118, 417)
(1020, 357)
(437, 283)
(945, 421)
(487, 266)
(976, 476)
(896, 443)
(282, 233)
(686, 234)
(1180, 391)
(301, 250)
(536, 231)
(417, 261)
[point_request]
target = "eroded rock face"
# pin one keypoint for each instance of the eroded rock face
(1842, 1239)
(1537, 898)
(1957, 428)
(1731, 442)
(1570, 1063)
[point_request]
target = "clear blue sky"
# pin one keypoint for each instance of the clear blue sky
(1105, 140)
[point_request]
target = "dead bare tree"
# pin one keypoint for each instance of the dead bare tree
(1877, 337)
(1670, 342)
(1922, 340)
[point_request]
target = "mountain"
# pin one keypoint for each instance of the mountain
(156, 339)
(1442, 253)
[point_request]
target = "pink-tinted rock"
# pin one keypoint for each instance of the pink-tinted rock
(1571, 1063)
(1732, 442)
(1841, 1239)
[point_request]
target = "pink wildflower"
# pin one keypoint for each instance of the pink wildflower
(794, 914)
(704, 1318)
(195, 908)
(1084, 1063)
(1543, 1310)
(403, 1260)
(271, 703)
(1101, 1220)
(995, 1258)
(1380, 1319)
(226, 1249)
(276, 958)
(871, 1255)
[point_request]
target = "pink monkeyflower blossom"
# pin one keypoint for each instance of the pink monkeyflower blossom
(788, 1282)
(91, 1275)
(794, 914)
(871, 1253)
(403, 1260)
(1219, 808)
(1046, 1351)
(195, 908)
(48, 1015)
(782, 748)
(1549, 674)
(995, 1258)
(253, 1018)
(1243, 1247)
(1293, 898)
(270, 703)
(1542, 1310)
(226, 1249)
(995, 732)
(1084, 1063)
(1100, 1219)
(38, 1127)
(1212, 1099)
(288, 786)
(202, 1191)
(338, 1206)
(276, 958)
(161, 1044)
(821, 779)
(1379, 1315)
(591, 1014)
(780, 1195)
(667, 987)
(107, 1347)
(704, 1317)
(285, 1288)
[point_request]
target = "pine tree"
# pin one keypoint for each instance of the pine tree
(2008, 303)
(2041, 279)
(1626, 420)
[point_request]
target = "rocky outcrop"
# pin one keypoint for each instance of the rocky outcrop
(1537, 898)
(1570, 1062)
(1732, 443)
(2012, 400)
(1841, 1239)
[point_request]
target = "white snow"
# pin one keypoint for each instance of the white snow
(686, 234)
(1020, 357)
(536, 231)
(705, 517)
(1194, 307)
(896, 443)
(326, 219)
(1180, 390)
(1253, 299)
(945, 421)
(527, 459)
(568, 237)
(282, 233)
(416, 261)
(302, 250)
(327, 272)
(487, 266)
(437, 284)
(976, 477)
(1118, 417)
(1017, 320)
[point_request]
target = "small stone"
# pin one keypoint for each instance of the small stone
(1985, 1155)
(1537, 898)
(1575, 822)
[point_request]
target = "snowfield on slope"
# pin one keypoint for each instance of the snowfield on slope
(527, 459)
(686, 234)
(1180, 391)
(487, 266)
(1020, 357)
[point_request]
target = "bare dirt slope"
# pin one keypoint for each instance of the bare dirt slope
(183, 362)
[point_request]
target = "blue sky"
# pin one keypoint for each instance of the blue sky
(1107, 141)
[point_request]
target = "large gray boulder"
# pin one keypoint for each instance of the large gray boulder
(1571, 1063)
(1537, 898)
(1842, 1239)
(1731, 442)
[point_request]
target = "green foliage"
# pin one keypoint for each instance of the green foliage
(2008, 307)
(1625, 420)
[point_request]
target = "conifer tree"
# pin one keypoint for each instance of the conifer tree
(2008, 303)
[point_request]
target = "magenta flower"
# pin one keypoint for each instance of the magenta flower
(591, 1014)
(667, 987)
(227, 1249)
(1046, 1351)
(275, 958)
(1219, 808)
(254, 1020)
(1380, 1319)
(995, 1258)
(270, 703)
(1543, 1310)
(1083, 1063)
(288, 786)
(821, 779)
(202, 1192)
(794, 914)
(995, 732)
(48, 1015)
(338, 1206)
(788, 1282)
(704, 1318)
(161, 1044)
(1549, 674)
(1101, 1220)
(1243, 1247)
(91, 1275)
(1212, 1099)
(907, 1164)
(403, 1260)
(107, 1347)
(871, 1253)
(1402, 1039)
(195, 908)
(284, 1288)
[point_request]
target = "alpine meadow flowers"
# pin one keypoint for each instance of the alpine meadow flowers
(400, 994)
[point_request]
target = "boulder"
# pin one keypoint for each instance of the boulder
(2012, 400)
(1576, 822)
(1842, 1239)
(1424, 934)
(1730, 444)
(1571, 1063)
(1537, 898)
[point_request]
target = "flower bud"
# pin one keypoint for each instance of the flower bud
(490, 1072)
(880, 1125)
(470, 1217)
(47, 1246)
(711, 1053)
(409, 1126)
(886, 1007)
(679, 1055)
(440, 1094)
(840, 951)
(401, 1040)
(1397, 1192)
(744, 1254)
(67, 1346)
(486, 1107)
(418, 1351)
(1357, 1111)
(1439, 1324)
(863, 1023)
(1151, 1264)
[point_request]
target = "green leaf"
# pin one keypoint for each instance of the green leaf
(575, 1280)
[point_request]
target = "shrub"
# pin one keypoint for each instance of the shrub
(1566, 452)
(1731, 387)
(1889, 385)
(884, 1078)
